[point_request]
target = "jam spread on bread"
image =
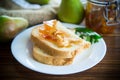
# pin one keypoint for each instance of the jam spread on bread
(61, 38)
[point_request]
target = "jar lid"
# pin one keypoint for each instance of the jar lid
(104, 2)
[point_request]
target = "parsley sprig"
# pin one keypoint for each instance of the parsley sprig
(87, 34)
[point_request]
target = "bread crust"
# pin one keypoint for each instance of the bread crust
(44, 58)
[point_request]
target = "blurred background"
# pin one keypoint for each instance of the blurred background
(34, 13)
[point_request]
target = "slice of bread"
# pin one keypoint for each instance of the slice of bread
(43, 57)
(53, 49)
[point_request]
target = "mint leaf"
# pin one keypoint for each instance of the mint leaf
(87, 34)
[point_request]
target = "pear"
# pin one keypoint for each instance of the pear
(71, 11)
(11, 26)
(41, 2)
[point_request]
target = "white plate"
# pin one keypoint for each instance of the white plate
(21, 48)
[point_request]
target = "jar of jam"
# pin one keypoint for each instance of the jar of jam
(103, 16)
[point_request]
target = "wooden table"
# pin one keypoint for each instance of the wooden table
(107, 69)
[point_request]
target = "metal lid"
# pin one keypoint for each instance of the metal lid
(105, 2)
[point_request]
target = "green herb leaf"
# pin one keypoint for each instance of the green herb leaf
(78, 29)
(87, 34)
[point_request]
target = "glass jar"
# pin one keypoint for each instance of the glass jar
(103, 16)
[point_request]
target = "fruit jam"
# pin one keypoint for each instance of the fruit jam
(96, 17)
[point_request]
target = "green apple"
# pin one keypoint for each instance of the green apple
(41, 2)
(71, 11)
(11, 26)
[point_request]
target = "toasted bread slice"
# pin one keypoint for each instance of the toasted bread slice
(43, 57)
(52, 48)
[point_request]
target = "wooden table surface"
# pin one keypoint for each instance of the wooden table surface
(107, 69)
